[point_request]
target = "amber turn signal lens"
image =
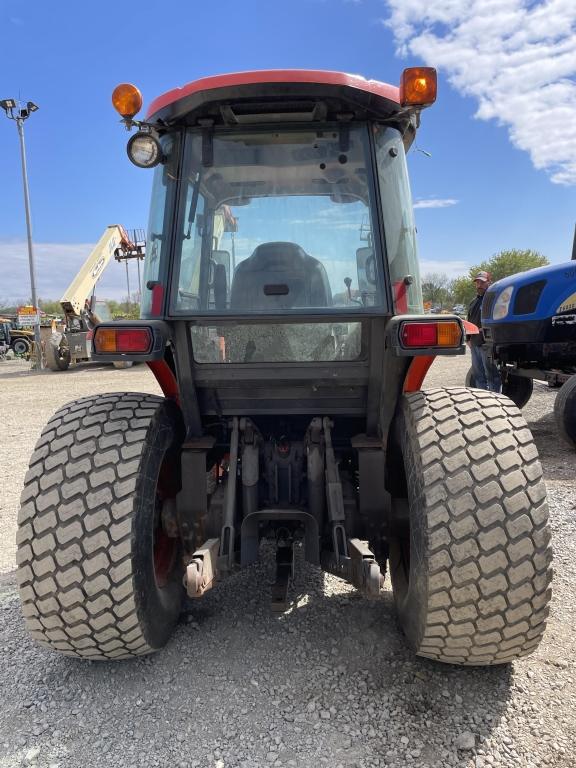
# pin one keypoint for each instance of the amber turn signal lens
(127, 100)
(449, 334)
(105, 340)
(418, 87)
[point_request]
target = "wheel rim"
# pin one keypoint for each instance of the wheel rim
(20, 347)
(164, 556)
(400, 532)
(165, 548)
(400, 548)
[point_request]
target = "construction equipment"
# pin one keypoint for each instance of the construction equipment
(282, 317)
(529, 322)
(80, 307)
(21, 339)
(5, 338)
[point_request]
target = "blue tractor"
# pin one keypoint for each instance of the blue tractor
(529, 320)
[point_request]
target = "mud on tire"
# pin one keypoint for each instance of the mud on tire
(470, 557)
(97, 577)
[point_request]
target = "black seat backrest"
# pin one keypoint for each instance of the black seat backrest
(280, 276)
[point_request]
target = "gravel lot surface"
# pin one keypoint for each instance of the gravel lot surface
(328, 683)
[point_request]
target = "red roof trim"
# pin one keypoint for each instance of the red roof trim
(390, 92)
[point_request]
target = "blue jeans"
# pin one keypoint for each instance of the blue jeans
(486, 374)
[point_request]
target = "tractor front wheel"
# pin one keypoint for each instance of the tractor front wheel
(469, 552)
(518, 388)
(99, 577)
(565, 411)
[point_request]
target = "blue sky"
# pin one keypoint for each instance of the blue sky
(502, 134)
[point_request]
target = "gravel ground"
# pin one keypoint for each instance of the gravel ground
(328, 683)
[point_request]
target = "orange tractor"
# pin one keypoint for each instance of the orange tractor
(282, 316)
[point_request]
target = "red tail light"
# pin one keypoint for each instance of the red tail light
(419, 334)
(110, 341)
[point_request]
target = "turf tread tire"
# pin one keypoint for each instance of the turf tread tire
(479, 541)
(78, 562)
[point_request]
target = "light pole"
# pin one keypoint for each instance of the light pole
(15, 111)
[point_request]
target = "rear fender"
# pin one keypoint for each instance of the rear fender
(416, 373)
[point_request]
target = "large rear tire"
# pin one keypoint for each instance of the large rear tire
(470, 555)
(565, 411)
(98, 576)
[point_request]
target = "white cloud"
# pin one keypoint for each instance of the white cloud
(517, 58)
(435, 203)
(56, 266)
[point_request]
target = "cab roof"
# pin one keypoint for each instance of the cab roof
(263, 96)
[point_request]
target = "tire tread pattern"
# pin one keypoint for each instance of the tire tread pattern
(487, 538)
(75, 538)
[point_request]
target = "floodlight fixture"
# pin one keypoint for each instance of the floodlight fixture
(7, 105)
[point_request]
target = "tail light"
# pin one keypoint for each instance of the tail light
(111, 341)
(443, 333)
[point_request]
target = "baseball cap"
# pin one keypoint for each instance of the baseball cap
(484, 276)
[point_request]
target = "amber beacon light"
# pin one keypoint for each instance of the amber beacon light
(127, 100)
(418, 87)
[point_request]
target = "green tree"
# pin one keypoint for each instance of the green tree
(437, 288)
(463, 290)
(50, 306)
(125, 310)
(502, 264)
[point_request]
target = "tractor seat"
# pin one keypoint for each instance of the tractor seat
(280, 276)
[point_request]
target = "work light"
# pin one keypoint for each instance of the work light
(144, 150)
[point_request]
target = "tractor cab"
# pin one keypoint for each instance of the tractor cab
(281, 239)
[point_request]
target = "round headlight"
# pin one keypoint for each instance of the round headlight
(144, 150)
